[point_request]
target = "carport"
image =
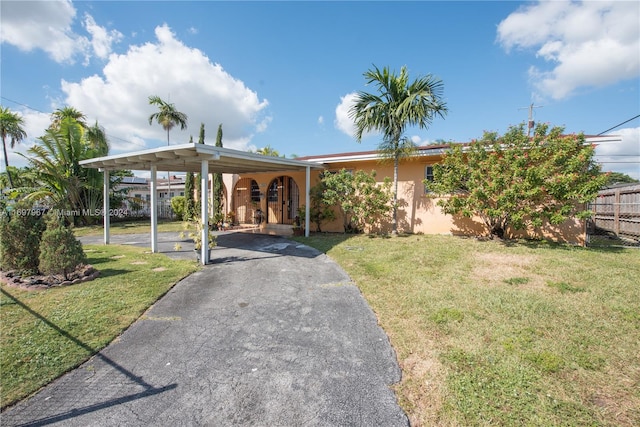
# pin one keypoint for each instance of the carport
(194, 157)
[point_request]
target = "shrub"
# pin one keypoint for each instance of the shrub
(178, 205)
(60, 251)
(20, 233)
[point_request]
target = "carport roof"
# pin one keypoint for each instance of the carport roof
(189, 157)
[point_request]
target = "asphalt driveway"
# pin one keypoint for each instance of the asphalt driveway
(273, 333)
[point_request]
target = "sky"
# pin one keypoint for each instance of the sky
(284, 74)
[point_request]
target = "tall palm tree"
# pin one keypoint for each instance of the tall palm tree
(67, 113)
(268, 151)
(11, 126)
(167, 116)
(398, 104)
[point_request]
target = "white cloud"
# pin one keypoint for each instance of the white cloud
(101, 39)
(588, 44)
(623, 156)
(343, 121)
(320, 120)
(184, 76)
(47, 25)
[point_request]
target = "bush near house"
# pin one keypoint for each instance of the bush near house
(20, 233)
(513, 181)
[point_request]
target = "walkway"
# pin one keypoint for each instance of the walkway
(271, 334)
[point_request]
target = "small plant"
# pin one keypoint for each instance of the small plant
(60, 251)
(177, 247)
(178, 207)
(231, 218)
(194, 231)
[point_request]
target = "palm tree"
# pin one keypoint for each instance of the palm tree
(11, 125)
(58, 116)
(398, 104)
(268, 151)
(167, 116)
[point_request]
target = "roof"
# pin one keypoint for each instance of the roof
(425, 151)
(188, 158)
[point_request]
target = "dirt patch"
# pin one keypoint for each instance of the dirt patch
(427, 399)
(139, 262)
(158, 269)
(498, 269)
(83, 273)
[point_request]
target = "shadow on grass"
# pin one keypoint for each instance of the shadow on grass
(324, 242)
(149, 390)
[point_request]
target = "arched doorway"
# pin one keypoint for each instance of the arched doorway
(246, 200)
(283, 200)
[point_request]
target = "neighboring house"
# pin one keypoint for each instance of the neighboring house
(139, 194)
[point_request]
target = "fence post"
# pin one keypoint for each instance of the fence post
(616, 213)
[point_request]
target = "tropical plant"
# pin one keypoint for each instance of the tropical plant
(397, 105)
(167, 116)
(178, 204)
(358, 197)
(56, 157)
(189, 203)
(320, 210)
(512, 181)
(58, 116)
(11, 126)
(268, 151)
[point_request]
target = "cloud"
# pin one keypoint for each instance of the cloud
(101, 39)
(586, 44)
(184, 76)
(624, 156)
(47, 25)
(342, 121)
(321, 120)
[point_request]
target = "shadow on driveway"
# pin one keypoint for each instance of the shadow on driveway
(272, 333)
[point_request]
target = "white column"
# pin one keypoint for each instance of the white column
(204, 211)
(154, 210)
(105, 206)
(307, 201)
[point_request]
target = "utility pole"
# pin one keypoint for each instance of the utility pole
(530, 123)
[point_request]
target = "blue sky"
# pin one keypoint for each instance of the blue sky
(283, 73)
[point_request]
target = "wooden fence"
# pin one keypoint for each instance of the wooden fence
(617, 210)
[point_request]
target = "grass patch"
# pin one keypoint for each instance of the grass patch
(476, 352)
(47, 333)
(128, 227)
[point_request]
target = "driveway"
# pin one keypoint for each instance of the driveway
(273, 333)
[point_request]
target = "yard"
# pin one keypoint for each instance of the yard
(492, 333)
(46, 333)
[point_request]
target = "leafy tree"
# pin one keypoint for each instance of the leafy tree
(11, 126)
(513, 180)
(358, 197)
(397, 105)
(618, 178)
(217, 184)
(60, 251)
(319, 210)
(167, 116)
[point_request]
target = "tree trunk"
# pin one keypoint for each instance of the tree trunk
(394, 220)
(6, 162)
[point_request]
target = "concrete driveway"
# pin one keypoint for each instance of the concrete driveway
(273, 333)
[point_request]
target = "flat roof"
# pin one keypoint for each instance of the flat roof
(188, 158)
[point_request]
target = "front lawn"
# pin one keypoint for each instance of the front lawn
(505, 334)
(47, 333)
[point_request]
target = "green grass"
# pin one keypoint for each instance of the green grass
(47, 333)
(504, 334)
(128, 227)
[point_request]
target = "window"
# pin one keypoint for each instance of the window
(428, 175)
(255, 191)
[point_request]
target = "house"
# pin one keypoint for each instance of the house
(277, 196)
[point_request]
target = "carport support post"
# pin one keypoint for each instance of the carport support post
(307, 202)
(204, 211)
(105, 205)
(154, 209)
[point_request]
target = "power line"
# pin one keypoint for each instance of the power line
(620, 124)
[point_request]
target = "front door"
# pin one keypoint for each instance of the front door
(282, 200)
